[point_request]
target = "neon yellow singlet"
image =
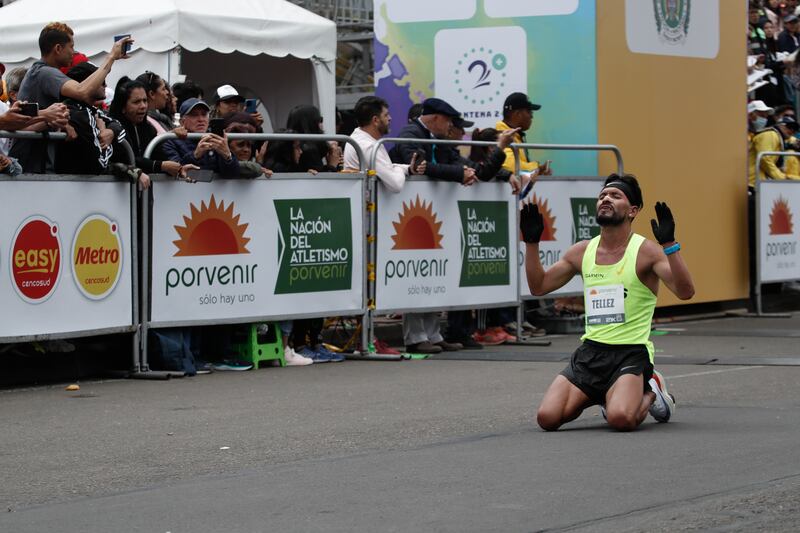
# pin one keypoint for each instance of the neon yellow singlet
(604, 285)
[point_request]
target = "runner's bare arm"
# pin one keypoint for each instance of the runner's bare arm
(531, 224)
(671, 269)
(542, 282)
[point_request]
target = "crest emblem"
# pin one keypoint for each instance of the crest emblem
(672, 19)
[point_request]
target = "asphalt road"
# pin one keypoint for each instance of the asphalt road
(432, 445)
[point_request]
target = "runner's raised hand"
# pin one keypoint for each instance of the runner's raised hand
(664, 229)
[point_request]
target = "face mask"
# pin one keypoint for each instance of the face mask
(760, 123)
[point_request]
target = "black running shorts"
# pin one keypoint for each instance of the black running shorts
(594, 367)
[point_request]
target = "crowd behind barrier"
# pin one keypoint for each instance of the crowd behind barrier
(773, 79)
(161, 138)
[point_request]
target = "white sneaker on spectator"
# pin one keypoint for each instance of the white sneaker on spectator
(293, 358)
(664, 404)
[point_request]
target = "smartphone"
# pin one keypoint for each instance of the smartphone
(127, 45)
(29, 109)
(251, 105)
(200, 174)
(217, 126)
(524, 192)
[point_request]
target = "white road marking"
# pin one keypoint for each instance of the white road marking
(713, 372)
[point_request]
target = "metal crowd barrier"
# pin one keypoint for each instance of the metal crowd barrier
(786, 246)
(72, 304)
(519, 302)
(147, 322)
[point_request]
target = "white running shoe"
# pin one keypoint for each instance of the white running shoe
(664, 404)
(293, 358)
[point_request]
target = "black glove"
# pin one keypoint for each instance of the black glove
(664, 229)
(531, 223)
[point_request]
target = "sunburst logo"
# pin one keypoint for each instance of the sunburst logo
(211, 230)
(549, 233)
(417, 228)
(780, 219)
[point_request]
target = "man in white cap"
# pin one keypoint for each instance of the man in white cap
(227, 100)
(757, 113)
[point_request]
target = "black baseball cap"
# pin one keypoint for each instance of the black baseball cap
(459, 122)
(81, 71)
(791, 18)
(519, 101)
(789, 122)
(437, 106)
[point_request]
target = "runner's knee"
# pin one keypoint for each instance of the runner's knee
(622, 421)
(548, 420)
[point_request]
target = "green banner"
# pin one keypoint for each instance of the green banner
(585, 222)
(315, 245)
(484, 233)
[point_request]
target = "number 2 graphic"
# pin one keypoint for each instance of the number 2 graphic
(485, 72)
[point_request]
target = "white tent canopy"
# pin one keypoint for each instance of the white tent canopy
(211, 42)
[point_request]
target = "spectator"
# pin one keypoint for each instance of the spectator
(13, 82)
(434, 123)
(488, 161)
(770, 140)
(373, 118)
(757, 116)
(777, 91)
(422, 331)
(518, 114)
(46, 85)
(227, 100)
(96, 133)
(129, 107)
(788, 40)
(211, 152)
(184, 90)
(307, 119)
(158, 99)
(284, 156)
(242, 150)
(414, 112)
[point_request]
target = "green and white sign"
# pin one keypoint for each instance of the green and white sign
(485, 256)
(315, 245)
(585, 224)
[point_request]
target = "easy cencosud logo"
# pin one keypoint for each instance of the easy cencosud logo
(35, 259)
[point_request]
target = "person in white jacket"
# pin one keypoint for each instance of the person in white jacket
(372, 115)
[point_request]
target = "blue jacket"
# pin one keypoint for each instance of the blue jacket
(182, 151)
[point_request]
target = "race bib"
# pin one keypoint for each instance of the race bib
(605, 304)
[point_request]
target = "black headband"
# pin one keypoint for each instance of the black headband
(627, 190)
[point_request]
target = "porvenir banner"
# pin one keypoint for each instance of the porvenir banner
(568, 208)
(442, 244)
(265, 248)
(778, 256)
(65, 257)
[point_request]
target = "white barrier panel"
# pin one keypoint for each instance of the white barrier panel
(65, 257)
(568, 208)
(442, 245)
(237, 249)
(779, 231)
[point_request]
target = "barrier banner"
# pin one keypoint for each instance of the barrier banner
(778, 256)
(264, 248)
(568, 208)
(65, 257)
(441, 244)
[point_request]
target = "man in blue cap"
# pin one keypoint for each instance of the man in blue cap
(434, 123)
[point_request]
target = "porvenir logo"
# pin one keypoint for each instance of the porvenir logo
(36, 259)
(549, 233)
(672, 19)
(97, 257)
(780, 219)
(211, 230)
(417, 227)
